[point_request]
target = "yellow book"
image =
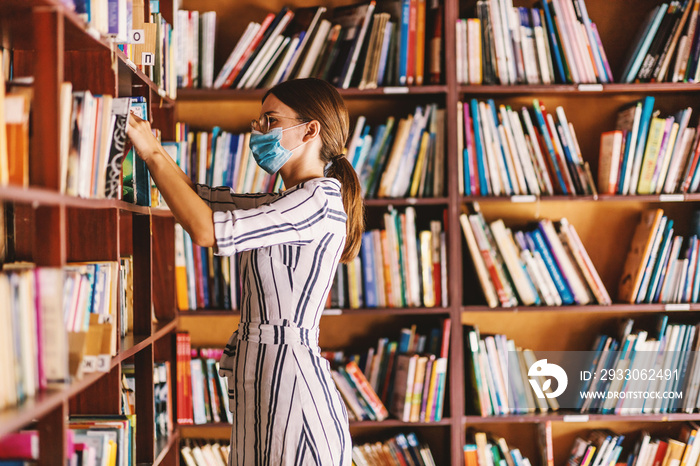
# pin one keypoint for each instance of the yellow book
(353, 283)
(588, 457)
(420, 164)
(242, 165)
(689, 447)
(180, 269)
(651, 154)
(417, 393)
(660, 181)
(674, 453)
(112, 453)
(432, 389)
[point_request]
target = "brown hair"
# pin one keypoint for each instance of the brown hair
(315, 99)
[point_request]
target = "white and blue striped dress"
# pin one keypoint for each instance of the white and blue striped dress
(286, 408)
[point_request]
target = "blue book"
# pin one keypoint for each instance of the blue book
(404, 341)
(625, 161)
(664, 251)
(215, 132)
(501, 145)
(232, 160)
(559, 281)
(554, 43)
(677, 354)
(649, 28)
(479, 149)
(647, 109)
(403, 41)
(191, 280)
(368, 275)
(678, 382)
(651, 260)
(544, 131)
(467, 173)
(369, 165)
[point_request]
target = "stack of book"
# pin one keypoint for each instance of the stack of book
(497, 372)
(146, 38)
(487, 449)
(108, 439)
(205, 452)
(507, 45)
(668, 358)
(195, 46)
(203, 393)
(649, 154)
(408, 375)
(220, 158)
(603, 446)
(660, 267)
(541, 266)
(667, 45)
(203, 280)
(57, 324)
(507, 153)
(399, 450)
(366, 45)
(397, 267)
(404, 159)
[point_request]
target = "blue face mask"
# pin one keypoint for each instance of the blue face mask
(268, 151)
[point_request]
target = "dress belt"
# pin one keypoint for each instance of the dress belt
(274, 334)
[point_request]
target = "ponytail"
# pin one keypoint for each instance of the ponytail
(342, 170)
(315, 99)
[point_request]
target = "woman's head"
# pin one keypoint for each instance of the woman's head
(319, 104)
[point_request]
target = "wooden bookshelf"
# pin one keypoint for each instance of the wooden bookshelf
(52, 44)
(592, 110)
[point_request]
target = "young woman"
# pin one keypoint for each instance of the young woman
(286, 408)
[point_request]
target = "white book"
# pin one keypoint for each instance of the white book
(356, 139)
(474, 48)
(253, 69)
(496, 156)
(412, 257)
(461, 52)
(302, 52)
(279, 50)
(264, 61)
(312, 55)
(549, 189)
(533, 186)
(509, 140)
(499, 41)
(235, 55)
(509, 39)
(358, 45)
(674, 172)
(542, 53)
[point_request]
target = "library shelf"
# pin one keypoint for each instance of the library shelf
(532, 198)
(257, 94)
(190, 430)
(388, 311)
(331, 311)
(573, 89)
(405, 201)
(579, 418)
(15, 418)
(593, 308)
(46, 197)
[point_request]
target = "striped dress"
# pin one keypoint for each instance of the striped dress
(286, 408)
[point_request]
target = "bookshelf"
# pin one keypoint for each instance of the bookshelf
(52, 44)
(605, 223)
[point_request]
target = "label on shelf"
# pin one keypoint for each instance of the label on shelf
(523, 198)
(671, 198)
(411, 200)
(161, 92)
(677, 307)
(576, 418)
(396, 90)
(590, 87)
(137, 36)
(94, 33)
(332, 312)
(130, 64)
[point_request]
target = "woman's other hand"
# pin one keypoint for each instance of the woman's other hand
(141, 136)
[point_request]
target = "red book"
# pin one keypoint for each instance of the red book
(20, 446)
(411, 48)
(251, 48)
(693, 166)
(445, 346)
(199, 276)
(363, 386)
(436, 47)
(188, 378)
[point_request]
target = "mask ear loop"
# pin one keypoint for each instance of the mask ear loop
(296, 126)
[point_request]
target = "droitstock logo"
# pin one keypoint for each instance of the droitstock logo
(541, 369)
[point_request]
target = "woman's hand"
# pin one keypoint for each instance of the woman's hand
(139, 131)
